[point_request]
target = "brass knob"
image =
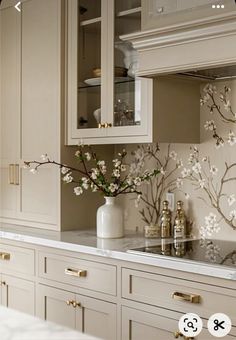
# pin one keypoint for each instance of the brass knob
(100, 125)
(76, 304)
(179, 334)
(3, 283)
(69, 302)
(107, 125)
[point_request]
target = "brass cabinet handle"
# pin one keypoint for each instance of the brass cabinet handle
(13, 174)
(5, 256)
(179, 334)
(76, 272)
(76, 304)
(100, 125)
(69, 302)
(2, 283)
(192, 298)
(107, 125)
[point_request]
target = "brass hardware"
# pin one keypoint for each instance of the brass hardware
(179, 334)
(100, 125)
(76, 272)
(5, 256)
(192, 298)
(76, 304)
(13, 174)
(69, 302)
(2, 283)
(107, 125)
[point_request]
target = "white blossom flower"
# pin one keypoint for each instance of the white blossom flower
(210, 125)
(197, 168)
(26, 166)
(116, 173)
(44, 157)
(231, 199)
(78, 191)
(129, 181)
(123, 168)
(191, 158)
(204, 99)
(137, 181)
(102, 167)
(179, 163)
(85, 182)
(232, 214)
(204, 159)
(87, 156)
(33, 171)
(209, 88)
(78, 153)
(93, 187)
(185, 172)
(213, 170)
(113, 187)
(162, 171)
(179, 182)
(94, 173)
(68, 178)
(187, 196)
(202, 183)
(116, 162)
(64, 170)
(227, 105)
(173, 155)
(212, 252)
(211, 226)
(219, 144)
(137, 201)
(231, 138)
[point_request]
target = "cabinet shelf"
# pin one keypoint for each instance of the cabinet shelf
(117, 81)
(129, 12)
(90, 21)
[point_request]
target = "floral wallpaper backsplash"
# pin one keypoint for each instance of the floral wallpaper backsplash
(203, 175)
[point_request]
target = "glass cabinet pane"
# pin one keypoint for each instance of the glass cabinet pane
(89, 64)
(126, 86)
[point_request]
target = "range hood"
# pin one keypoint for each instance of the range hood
(203, 49)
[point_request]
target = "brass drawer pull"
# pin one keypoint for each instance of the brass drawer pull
(13, 174)
(5, 256)
(192, 298)
(69, 302)
(179, 334)
(76, 272)
(76, 304)
(2, 283)
(101, 125)
(107, 125)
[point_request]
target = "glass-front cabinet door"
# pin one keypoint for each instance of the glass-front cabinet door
(106, 101)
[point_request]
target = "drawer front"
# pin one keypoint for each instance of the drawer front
(177, 294)
(15, 259)
(82, 273)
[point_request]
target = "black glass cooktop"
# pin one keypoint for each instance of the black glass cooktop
(207, 251)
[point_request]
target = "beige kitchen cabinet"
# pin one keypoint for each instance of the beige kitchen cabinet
(89, 315)
(161, 13)
(18, 294)
(31, 119)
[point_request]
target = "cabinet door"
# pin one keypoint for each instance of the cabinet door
(18, 294)
(52, 305)
(40, 118)
(10, 60)
(98, 317)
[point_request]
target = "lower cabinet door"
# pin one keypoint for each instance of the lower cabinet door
(99, 317)
(18, 294)
(88, 315)
(140, 325)
(55, 305)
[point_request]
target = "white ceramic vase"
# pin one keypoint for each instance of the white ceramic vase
(110, 220)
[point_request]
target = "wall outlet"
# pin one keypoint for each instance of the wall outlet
(170, 197)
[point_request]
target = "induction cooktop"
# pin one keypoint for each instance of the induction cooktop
(206, 251)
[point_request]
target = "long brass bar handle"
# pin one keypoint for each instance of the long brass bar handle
(5, 256)
(76, 272)
(192, 298)
(11, 174)
(16, 174)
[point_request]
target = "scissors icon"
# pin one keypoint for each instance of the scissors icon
(218, 325)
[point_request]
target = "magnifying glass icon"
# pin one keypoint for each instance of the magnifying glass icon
(190, 324)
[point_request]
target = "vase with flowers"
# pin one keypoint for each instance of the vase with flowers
(92, 173)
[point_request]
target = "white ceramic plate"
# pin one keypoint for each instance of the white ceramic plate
(97, 81)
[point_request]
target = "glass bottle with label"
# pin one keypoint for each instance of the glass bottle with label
(165, 221)
(180, 222)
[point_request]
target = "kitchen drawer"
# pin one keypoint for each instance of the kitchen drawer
(158, 290)
(82, 273)
(15, 259)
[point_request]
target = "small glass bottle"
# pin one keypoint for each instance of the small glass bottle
(165, 221)
(180, 222)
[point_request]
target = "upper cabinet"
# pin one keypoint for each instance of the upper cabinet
(161, 13)
(106, 102)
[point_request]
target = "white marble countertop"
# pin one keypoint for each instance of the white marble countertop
(87, 242)
(19, 326)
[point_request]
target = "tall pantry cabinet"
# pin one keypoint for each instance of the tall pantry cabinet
(31, 113)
